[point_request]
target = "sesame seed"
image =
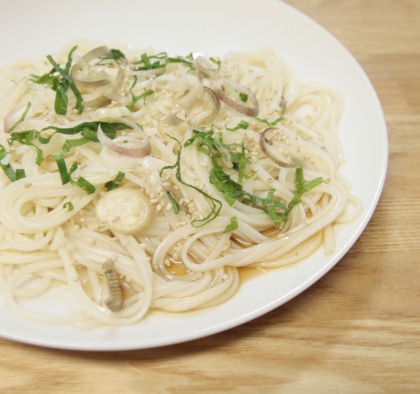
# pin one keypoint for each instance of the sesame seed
(168, 207)
(167, 262)
(154, 200)
(175, 256)
(76, 228)
(158, 207)
(27, 185)
(202, 163)
(281, 235)
(115, 218)
(92, 242)
(270, 180)
(224, 277)
(143, 246)
(76, 278)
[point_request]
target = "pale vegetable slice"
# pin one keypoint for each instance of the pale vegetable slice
(125, 210)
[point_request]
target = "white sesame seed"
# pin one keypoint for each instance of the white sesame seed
(158, 207)
(202, 163)
(27, 185)
(270, 180)
(167, 262)
(169, 207)
(143, 246)
(154, 200)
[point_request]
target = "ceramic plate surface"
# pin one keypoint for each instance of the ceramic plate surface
(37, 28)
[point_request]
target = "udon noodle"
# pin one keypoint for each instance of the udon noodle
(142, 181)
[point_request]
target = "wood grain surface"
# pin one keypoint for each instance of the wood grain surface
(357, 330)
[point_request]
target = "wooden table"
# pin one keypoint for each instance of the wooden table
(357, 330)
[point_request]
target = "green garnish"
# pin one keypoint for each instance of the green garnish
(7, 168)
(161, 60)
(68, 205)
(208, 145)
(231, 190)
(88, 131)
(242, 125)
(216, 204)
(270, 124)
(22, 118)
(232, 226)
(139, 97)
(85, 185)
(218, 62)
(175, 205)
(63, 84)
(301, 187)
(111, 185)
(60, 83)
(20, 173)
(243, 97)
(116, 55)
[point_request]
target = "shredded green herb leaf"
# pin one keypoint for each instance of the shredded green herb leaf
(68, 205)
(216, 204)
(243, 97)
(22, 118)
(111, 185)
(270, 124)
(7, 168)
(139, 97)
(242, 125)
(66, 81)
(218, 62)
(232, 226)
(85, 185)
(116, 55)
(175, 205)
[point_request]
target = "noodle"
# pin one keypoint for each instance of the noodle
(133, 123)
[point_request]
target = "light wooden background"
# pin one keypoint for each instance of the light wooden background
(355, 331)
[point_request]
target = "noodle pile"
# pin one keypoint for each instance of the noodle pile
(188, 254)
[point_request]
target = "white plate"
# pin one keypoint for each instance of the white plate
(213, 27)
